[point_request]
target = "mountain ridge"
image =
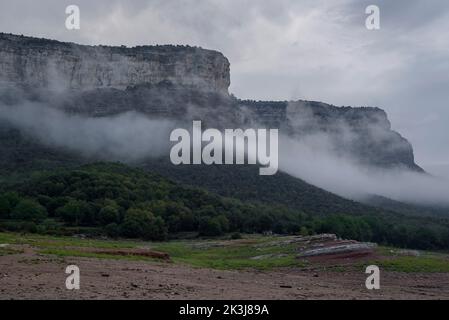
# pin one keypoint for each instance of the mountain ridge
(181, 83)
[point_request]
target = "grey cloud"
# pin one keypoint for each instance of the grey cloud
(127, 137)
(313, 159)
(288, 49)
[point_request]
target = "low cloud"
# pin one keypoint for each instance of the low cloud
(313, 159)
(126, 137)
(132, 137)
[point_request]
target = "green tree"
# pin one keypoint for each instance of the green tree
(210, 227)
(139, 223)
(109, 214)
(56, 203)
(30, 210)
(303, 231)
(265, 222)
(8, 201)
(74, 211)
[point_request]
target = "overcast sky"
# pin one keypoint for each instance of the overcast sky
(288, 49)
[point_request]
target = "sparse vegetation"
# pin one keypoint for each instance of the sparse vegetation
(429, 263)
(250, 252)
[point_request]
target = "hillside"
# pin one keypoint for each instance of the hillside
(173, 85)
(244, 183)
(116, 200)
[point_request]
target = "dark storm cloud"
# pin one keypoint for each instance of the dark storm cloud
(288, 49)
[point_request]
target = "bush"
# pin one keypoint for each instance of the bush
(11, 225)
(48, 225)
(29, 227)
(303, 231)
(30, 210)
(236, 236)
(112, 230)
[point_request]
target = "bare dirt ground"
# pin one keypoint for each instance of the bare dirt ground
(29, 275)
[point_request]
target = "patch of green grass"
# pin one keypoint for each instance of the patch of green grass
(423, 264)
(426, 262)
(385, 251)
(83, 254)
(199, 253)
(7, 251)
(7, 237)
(230, 256)
(216, 254)
(43, 241)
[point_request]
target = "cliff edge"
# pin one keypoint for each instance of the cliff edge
(46, 63)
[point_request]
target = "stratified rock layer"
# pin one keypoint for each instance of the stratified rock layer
(52, 64)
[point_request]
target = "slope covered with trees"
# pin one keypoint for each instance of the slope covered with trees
(117, 200)
(244, 182)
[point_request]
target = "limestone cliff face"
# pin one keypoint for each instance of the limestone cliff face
(361, 134)
(45, 63)
(181, 83)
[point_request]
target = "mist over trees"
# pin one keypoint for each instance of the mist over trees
(119, 201)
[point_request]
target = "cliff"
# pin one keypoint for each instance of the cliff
(51, 64)
(181, 83)
(363, 134)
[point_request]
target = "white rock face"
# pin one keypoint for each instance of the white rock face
(53, 64)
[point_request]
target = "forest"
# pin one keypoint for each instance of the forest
(115, 200)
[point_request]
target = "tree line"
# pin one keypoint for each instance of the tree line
(119, 201)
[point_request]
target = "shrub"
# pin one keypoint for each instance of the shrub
(112, 230)
(303, 231)
(236, 236)
(49, 225)
(28, 226)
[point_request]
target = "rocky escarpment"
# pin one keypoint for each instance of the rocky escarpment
(360, 134)
(51, 64)
(181, 83)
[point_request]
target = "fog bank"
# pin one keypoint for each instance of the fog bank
(126, 137)
(132, 136)
(313, 160)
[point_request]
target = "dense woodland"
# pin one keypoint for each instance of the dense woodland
(120, 201)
